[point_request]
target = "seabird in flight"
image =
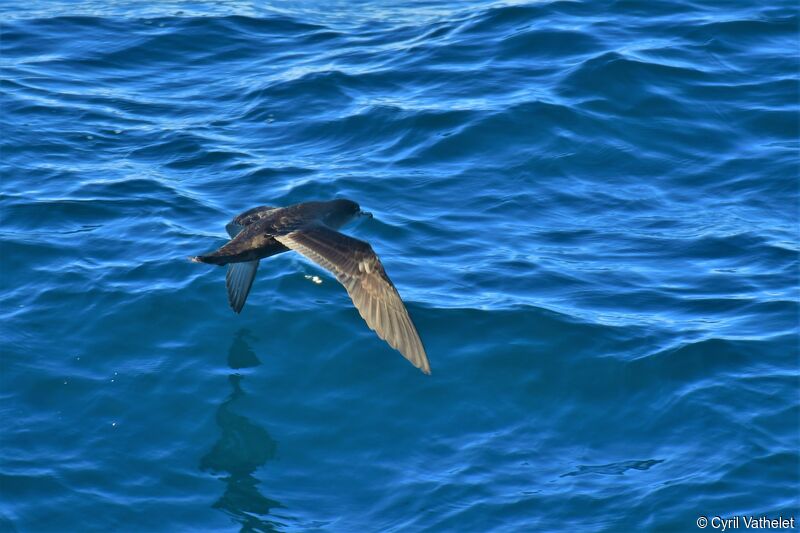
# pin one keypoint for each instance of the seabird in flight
(309, 228)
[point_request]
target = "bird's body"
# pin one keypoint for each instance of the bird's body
(310, 228)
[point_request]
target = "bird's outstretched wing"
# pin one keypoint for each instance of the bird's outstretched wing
(357, 267)
(239, 281)
(240, 276)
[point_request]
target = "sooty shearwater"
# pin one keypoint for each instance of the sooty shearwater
(310, 229)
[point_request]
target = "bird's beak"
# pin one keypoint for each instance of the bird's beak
(363, 213)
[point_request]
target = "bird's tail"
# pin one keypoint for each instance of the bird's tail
(210, 259)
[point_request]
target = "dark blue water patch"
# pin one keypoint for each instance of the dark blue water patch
(330, 89)
(542, 42)
(742, 31)
(591, 78)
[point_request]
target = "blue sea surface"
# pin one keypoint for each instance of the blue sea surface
(590, 208)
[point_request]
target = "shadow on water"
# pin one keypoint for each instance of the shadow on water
(242, 448)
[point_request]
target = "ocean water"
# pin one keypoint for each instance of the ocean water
(590, 208)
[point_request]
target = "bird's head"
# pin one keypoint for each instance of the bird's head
(341, 211)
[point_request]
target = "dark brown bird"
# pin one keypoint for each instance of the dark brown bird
(310, 229)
